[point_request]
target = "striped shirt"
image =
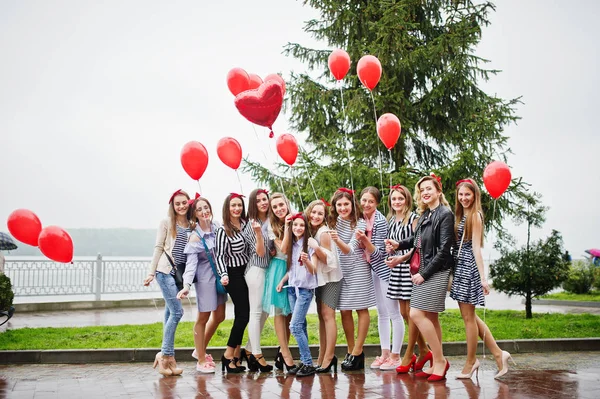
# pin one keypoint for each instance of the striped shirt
(378, 236)
(250, 237)
(231, 251)
(180, 242)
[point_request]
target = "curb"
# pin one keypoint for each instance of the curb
(85, 356)
(90, 305)
(556, 302)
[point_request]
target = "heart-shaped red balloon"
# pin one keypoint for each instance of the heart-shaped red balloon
(261, 106)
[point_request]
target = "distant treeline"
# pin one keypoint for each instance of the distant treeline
(108, 242)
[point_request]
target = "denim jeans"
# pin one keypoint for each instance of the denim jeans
(300, 299)
(173, 311)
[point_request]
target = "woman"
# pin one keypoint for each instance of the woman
(256, 233)
(357, 290)
(373, 240)
(432, 243)
(469, 284)
(329, 275)
(200, 269)
(279, 240)
(232, 254)
(402, 222)
(171, 240)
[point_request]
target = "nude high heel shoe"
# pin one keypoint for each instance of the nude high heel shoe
(172, 365)
(505, 357)
(163, 365)
(474, 369)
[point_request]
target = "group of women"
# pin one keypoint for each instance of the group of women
(348, 255)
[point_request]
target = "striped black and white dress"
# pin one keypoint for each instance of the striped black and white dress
(400, 286)
(356, 290)
(466, 285)
(231, 251)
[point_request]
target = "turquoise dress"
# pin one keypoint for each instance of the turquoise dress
(273, 300)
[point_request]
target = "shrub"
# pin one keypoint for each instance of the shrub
(596, 283)
(6, 294)
(581, 277)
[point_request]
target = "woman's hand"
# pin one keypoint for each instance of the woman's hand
(312, 243)
(183, 293)
(256, 227)
(148, 280)
(224, 280)
(361, 236)
(392, 261)
(486, 287)
(417, 279)
(288, 219)
(279, 286)
(390, 245)
(303, 258)
(334, 235)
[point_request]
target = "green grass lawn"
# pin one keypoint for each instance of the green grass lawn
(504, 324)
(592, 296)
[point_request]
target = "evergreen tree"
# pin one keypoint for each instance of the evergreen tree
(430, 80)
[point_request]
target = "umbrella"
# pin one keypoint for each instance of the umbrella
(6, 242)
(594, 252)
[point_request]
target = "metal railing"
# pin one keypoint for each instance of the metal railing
(82, 277)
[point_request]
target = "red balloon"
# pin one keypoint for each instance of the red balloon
(496, 177)
(369, 71)
(56, 244)
(255, 81)
(238, 81)
(194, 159)
(287, 148)
(230, 152)
(25, 226)
(261, 106)
(339, 63)
(276, 78)
(388, 130)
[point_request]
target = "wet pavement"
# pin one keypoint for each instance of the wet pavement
(549, 375)
(153, 314)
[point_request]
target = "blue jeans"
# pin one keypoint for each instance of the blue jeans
(173, 311)
(300, 299)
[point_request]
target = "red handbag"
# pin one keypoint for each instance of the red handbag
(415, 261)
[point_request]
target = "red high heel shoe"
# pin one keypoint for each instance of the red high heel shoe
(405, 369)
(428, 358)
(435, 377)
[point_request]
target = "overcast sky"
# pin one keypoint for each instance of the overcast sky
(98, 97)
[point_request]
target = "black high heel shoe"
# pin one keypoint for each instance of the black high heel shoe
(279, 359)
(236, 361)
(333, 362)
(346, 360)
(291, 370)
(256, 366)
(355, 363)
(226, 365)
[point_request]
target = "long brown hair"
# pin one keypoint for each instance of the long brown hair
(305, 238)
(253, 213)
(173, 214)
(408, 204)
(333, 216)
(230, 229)
(475, 208)
(278, 225)
(438, 186)
(192, 211)
(307, 212)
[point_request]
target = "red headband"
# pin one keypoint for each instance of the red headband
(174, 194)
(396, 187)
(236, 195)
(439, 179)
(346, 190)
(262, 191)
(298, 216)
(325, 202)
(465, 181)
(191, 201)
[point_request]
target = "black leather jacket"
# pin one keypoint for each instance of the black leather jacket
(437, 240)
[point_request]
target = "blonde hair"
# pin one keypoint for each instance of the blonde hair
(278, 226)
(173, 214)
(421, 207)
(408, 204)
(475, 209)
(309, 208)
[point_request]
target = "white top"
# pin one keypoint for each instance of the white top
(330, 271)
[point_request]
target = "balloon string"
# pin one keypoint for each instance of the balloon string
(378, 145)
(309, 178)
(240, 181)
(489, 262)
(347, 143)
(199, 187)
(298, 187)
(391, 172)
(267, 160)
